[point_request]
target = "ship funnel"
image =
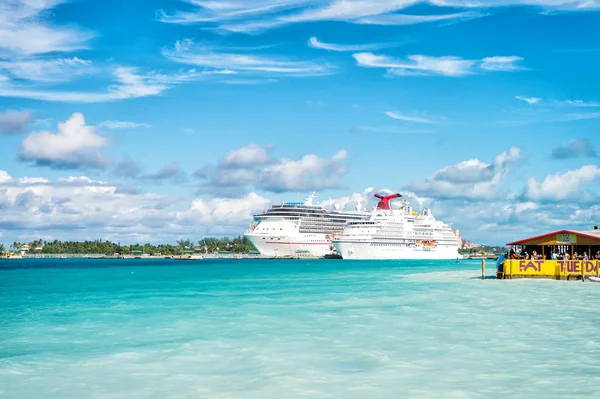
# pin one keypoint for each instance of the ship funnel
(384, 201)
(308, 201)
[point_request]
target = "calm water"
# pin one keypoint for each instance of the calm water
(291, 329)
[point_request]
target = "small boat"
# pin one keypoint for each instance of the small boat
(594, 279)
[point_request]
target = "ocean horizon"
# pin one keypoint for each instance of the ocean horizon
(78, 328)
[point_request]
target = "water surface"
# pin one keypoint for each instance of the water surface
(291, 329)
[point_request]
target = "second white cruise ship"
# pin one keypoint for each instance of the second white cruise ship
(397, 234)
(299, 229)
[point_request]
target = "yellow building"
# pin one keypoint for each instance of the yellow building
(563, 254)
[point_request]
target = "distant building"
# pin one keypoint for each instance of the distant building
(458, 238)
(469, 244)
(24, 249)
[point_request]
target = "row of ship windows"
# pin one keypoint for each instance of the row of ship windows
(279, 239)
(376, 244)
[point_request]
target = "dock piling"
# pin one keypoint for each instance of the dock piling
(483, 268)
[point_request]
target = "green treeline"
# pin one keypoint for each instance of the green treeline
(206, 245)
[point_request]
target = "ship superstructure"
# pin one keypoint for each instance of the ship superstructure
(299, 229)
(397, 234)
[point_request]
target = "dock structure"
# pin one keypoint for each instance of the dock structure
(560, 255)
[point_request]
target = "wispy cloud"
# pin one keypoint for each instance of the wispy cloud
(129, 83)
(578, 116)
(247, 82)
(529, 100)
(252, 17)
(319, 103)
(389, 129)
(257, 16)
(501, 63)
(406, 118)
(314, 42)
(46, 70)
(190, 53)
(580, 103)
(122, 125)
(406, 19)
(426, 65)
(24, 31)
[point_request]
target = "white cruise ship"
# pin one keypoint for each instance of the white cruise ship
(299, 229)
(397, 234)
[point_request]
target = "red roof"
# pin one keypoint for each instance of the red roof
(579, 233)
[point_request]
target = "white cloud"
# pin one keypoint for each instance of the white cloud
(24, 32)
(417, 64)
(252, 166)
(529, 100)
(525, 207)
(233, 177)
(249, 155)
(471, 171)
(501, 63)
(122, 125)
(314, 42)
(426, 65)
(187, 52)
(310, 172)
(4, 176)
(14, 122)
(470, 179)
(74, 145)
(509, 218)
(81, 208)
(224, 210)
(415, 119)
(561, 186)
(32, 180)
(353, 201)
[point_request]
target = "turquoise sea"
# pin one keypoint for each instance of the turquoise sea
(292, 329)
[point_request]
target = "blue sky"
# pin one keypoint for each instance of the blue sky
(183, 118)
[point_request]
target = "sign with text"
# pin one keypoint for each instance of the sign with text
(552, 267)
(566, 238)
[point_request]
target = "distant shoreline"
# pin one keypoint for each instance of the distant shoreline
(150, 257)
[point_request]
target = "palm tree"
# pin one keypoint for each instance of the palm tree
(2, 249)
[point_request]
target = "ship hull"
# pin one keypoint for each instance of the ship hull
(291, 246)
(368, 250)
